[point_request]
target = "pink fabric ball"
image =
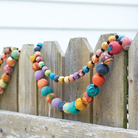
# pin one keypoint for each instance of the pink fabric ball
(7, 69)
(71, 78)
(99, 52)
(55, 102)
(126, 42)
(38, 59)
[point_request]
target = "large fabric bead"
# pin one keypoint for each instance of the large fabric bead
(90, 65)
(66, 79)
(42, 82)
(3, 84)
(40, 45)
(46, 90)
(55, 102)
(52, 75)
(98, 80)
(1, 90)
(6, 77)
(76, 75)
(79, 104)
(86, 99)
(3, 56)
(37, 53)
(114, 48)
(92, 90)
(66, 108)
(120, 37)
(99, 52)
(39, 74)
(72, 108)
(111, 38)
(41, 64)
(60, 106)
(95, 59)
(14, 54)
(32, 58)
(47, 73)
(37, 48)
(44, 68)
(106, 58)
(50, 97)
(80, 73)
(85, 69)
(38, 59)
(126, 42)
(10, 61)
(35, 66)
(1, 61)
(104, 45)
(7, 69)
(61, 79)
(102, 69)
(56, 78)
(71, 78)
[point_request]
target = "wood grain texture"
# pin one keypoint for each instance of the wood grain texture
(133, 84)
(54, 59)
(27, 97)
(21, 125)
(8, 100)
(109, 106)
(77, 55)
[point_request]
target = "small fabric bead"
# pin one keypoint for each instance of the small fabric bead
(60, 106)
(126, 42)
(37, 53)
(39, 74)
(76, 76)
(46, 90)
(86, 99)
(44, 68)
(95, 59)
(72, 108)
(104, 46)
(102, 69)
(120, 37)
(92, 90)
(98, 80)
(32, 58)
(1, 61)
(85, 69)
(106, 58)
(3, 56)
(99, 52)
(66, 79)
(37, 48)
(80, 73)
(38, 59)
(56, 78)
(52, 75)
(90, 65)
(71, 78)
(40, 45)
(61, 79)
(79, 104)
(50, 97)
(55, 102)
(66, 108)
(42, 82)
(41, 64)
(47, 73)
(0, 66)
(111, 39)
(3, 84)
(13, 48)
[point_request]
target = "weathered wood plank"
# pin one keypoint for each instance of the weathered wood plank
(109, 106)
(133, 84)
(8, 100)
(27, 97)
(77, 55)
(20, 125)
(53, 57)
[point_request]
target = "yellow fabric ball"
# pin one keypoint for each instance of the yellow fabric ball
(111, 38)
(66, 79)
(90, 65)
(104, 45)
(61, 79)
(79, 104)
(32, 58)
(3, 84)
(13, 48)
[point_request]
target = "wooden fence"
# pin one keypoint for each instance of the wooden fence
(109, 107)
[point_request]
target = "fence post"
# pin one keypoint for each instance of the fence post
(8, 100)
(77, 55)
(109, 107)
(133, 84)
(27, 97)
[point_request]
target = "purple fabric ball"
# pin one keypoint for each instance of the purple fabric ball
(39, 74)
(44, 68)
(55, 102)
(76, 75)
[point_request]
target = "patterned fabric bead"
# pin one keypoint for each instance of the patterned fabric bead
(104, 46)
(126, 42)
(95, 59)
(72, 108)
(79, 104)
(60, 106)
(66, 79)
(50, 97)
(14, 54)
(92, 90)
(99, 52)
(41, 64)
(85, 69)
(38, 59)
(80, 73)
(106, 58)
(76, 76)
(61, 79)
(120, 37)
(102, 69)
(46, 90)
(90, 65)
(98, 80)
(32, 58)
(111, 39)
(56, 78)
(66, 108)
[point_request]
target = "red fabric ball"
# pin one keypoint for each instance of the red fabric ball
(98, 80)
(80, 73)
(126, 42)
(114, 48)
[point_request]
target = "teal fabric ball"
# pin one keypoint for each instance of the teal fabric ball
(72, 108)
(120, 37)
(46, 90)
(14, 54)
(66, 108)
(92, 90)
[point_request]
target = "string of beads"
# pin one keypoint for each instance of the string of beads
(113, 46)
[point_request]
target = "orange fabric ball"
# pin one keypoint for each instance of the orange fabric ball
(42, 82)
(95, 59)
(10, 61)
(37, 53)
(3, 56)
(5, 77)
(35, 66)
(98, 80)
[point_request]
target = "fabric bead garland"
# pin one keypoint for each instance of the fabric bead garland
(113, 46)
(15, 53)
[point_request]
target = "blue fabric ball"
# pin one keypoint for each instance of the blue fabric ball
(52, 75)
(120, 37)
(92, 90)
(40, 45)
(46, 90)
(60, 106)
(37, 48)
(56, 78)
(33, 51)
(102, 69)
(72, 108)
(85, 69)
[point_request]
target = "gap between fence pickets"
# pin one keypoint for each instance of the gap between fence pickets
(22, 125)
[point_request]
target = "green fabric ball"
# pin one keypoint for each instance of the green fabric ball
(47, 72)
(41, 64)
(72, 108)
(14, 54)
